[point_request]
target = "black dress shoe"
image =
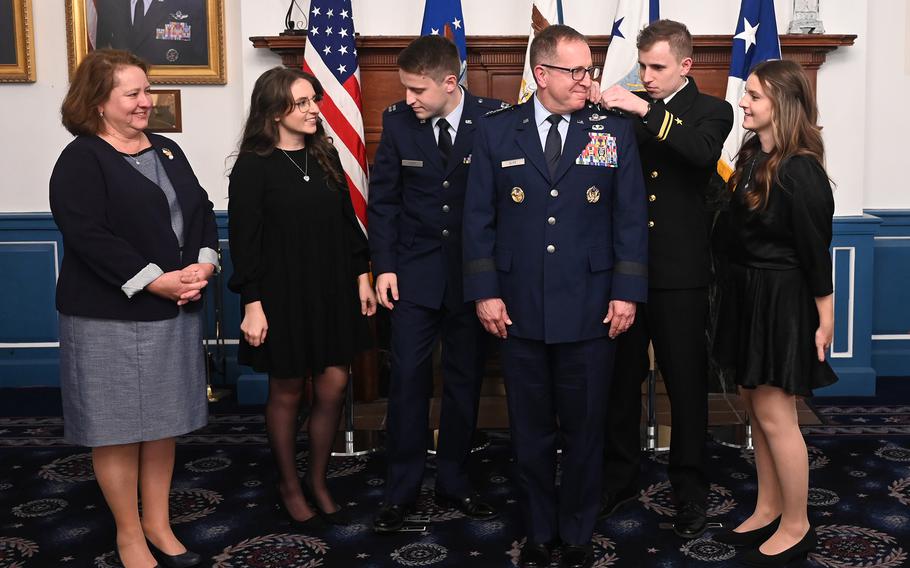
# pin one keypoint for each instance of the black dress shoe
(576, 556)
(186, 560)
(612, 501)
(691, 520)
(747, 538)
(470, 506)
(341, 517)
(534, 555)
(798, 551)
(390, 518)
(314, 523)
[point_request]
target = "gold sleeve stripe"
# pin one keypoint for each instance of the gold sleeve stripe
(666, 126)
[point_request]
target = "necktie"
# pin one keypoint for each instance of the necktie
(138, 14)
(552, 150)
(445, 140)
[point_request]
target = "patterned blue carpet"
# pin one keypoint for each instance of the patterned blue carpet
(52, 513)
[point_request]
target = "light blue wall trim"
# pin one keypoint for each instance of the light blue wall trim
(891, 294)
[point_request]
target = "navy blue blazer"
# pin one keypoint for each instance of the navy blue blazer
(115, 222)
(556, 250)
(415, 204)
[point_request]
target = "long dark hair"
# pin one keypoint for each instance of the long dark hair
(793, 129)
(272, 98)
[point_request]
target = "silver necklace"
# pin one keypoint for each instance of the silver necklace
(135, 157)
(306, 165)
(751, 167)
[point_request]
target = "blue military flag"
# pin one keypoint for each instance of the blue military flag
(444, 17)
(755, 40)
(621, 63)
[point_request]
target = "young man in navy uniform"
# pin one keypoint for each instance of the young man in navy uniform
(555, 252)
(417, 190)
(680, 134)
(161, 32)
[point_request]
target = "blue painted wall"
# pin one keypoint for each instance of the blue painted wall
(871, 255)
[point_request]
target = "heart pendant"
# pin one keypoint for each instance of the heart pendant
(306, 178)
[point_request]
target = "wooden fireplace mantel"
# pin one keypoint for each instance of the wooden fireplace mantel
(495, 65)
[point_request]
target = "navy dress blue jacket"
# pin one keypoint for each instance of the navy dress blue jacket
(115, 221)
(556, 250)
(416, 203)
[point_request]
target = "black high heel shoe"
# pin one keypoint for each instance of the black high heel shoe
(341, 517)
(314, 523)
(800, 550)
(187, 559)
(747, 538)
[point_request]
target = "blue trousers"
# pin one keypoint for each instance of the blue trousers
(415, 330)
(557, 396)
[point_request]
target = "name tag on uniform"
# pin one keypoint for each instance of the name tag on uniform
(510, 163)
(600, 151)
(412, 163)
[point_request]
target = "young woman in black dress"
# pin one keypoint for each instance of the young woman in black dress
(777, 313)
(301, 269)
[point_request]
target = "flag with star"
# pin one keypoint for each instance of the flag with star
(331, 56)
(543, 13)
(754, 41)
(621, 63)
(444, 17)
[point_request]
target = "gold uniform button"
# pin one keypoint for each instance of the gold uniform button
(446, 184)
(654, 174)
(551, 249)
(554, 192)
(445, 209)
(652, 197)
(551, 220)
(650, 224)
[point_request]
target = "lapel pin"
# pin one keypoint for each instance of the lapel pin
(593, 194)
(167, 152)
(518, 194)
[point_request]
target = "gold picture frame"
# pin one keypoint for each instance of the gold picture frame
(17, 50)
(169, 42)
(166, 115)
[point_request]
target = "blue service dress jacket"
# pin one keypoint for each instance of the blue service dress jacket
(416, 203)
(556, 250)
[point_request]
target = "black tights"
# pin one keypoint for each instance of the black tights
(281, 414)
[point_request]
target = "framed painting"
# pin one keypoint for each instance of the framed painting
(165, 114)
(181, 40)
(17, 42)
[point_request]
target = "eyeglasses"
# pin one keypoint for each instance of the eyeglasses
(578, 73)
(304, 103)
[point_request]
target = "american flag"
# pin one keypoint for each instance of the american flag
(331, 56)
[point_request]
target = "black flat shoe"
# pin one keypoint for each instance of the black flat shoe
(314, 523)
(747, 538)
(798, 551)
(613, 500)
(186, 560)
(576, 556)
(390, 518)
(470, 506)
(341, 517)
(534, 555)
(691, 520)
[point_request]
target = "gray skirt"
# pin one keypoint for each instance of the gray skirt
(131, 381)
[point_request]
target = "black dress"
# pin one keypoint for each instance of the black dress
(296, 247)
(779, 264)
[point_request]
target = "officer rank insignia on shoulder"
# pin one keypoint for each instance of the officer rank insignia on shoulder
(396, 108)
(503, 108)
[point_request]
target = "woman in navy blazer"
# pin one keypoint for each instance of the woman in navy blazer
(139, 241)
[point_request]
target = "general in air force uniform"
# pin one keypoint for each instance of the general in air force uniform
(170, 32)
(415, 210)
(556, 249)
